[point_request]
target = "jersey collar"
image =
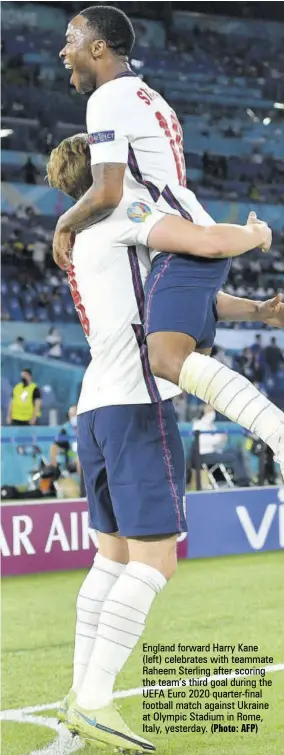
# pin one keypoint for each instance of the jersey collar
(125, 73)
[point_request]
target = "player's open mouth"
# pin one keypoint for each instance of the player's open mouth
(68, 67)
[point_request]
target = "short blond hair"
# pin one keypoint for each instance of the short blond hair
(69, 166)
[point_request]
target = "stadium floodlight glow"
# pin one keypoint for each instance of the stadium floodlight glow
(137, 63)
(6, 132)
(279, 105)
(252, 115)
(266, 121)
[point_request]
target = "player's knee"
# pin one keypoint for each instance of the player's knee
(170, 567)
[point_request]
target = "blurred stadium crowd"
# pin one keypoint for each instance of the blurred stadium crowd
(225, 80)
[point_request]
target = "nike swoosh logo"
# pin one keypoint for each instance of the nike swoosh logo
(90, 721)
(107, 729)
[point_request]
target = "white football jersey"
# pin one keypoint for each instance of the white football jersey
(106, 282)
(130, 123)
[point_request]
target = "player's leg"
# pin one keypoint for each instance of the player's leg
(108, 565)
(152, 562)
(145, 463)
(129, 436)
(175, 320)
(111, 558)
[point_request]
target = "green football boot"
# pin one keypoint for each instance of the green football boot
(68, 701)
(106, 726)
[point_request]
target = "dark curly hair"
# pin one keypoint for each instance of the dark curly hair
(113, 26)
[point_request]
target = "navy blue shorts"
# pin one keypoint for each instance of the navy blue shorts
(134, 469)
(177, 301)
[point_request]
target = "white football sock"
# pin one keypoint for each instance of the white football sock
(95, 588)
(121, 624)
(233, 395)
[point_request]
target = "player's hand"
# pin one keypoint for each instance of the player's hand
(63, 242)
(272, 311)
(262, 230)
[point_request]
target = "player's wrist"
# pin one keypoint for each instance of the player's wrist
(257, 314)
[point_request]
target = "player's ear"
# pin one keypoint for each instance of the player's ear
(98, 48)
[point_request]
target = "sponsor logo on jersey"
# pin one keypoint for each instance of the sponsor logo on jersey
(138, 212)
(101, 136)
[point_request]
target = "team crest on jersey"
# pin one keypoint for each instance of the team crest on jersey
(138, 212)
(101, 136)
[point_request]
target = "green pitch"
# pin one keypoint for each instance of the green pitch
(228, 600)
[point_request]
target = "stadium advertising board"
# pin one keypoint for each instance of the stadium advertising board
(50, 536)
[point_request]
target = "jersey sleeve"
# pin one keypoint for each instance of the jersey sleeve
(106, 129)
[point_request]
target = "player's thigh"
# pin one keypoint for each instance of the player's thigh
(207, 336)
(101, 514)
(178, 316)
(158, 552)
(145, 468)
(176, 299)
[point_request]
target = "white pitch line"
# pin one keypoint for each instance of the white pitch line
(6, 714)
(66, 745)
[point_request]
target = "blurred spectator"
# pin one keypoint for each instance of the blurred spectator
(254, 192)
(66, 443)
(212, 448)
(54, 341)
(244, 362)
(18, 344)
(257, 344)
(258, 368)
(25, 404)
(39, 250)
(273, 356)
(181, 407)
(30, 172)
(221, 356)
(257, 363)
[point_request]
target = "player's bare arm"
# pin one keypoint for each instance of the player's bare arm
(176, 235)
(235, 309)
(97, 203)
(99, 189)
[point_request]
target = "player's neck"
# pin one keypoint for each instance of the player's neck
(111, 70)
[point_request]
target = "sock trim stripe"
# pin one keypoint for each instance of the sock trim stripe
(124, 617)
(258, 415)
(245, 407)
(223, 388)
(106, 670)
(233, 397)
(79, 663)
(111, 600)
(94, 600)
(211, 381)
(87, 623)
(106, 571)
(86, 637)
(138, 579)
(120, 644)
(85, 610)
(117, 629)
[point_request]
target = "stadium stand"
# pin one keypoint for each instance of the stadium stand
(229, 97)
